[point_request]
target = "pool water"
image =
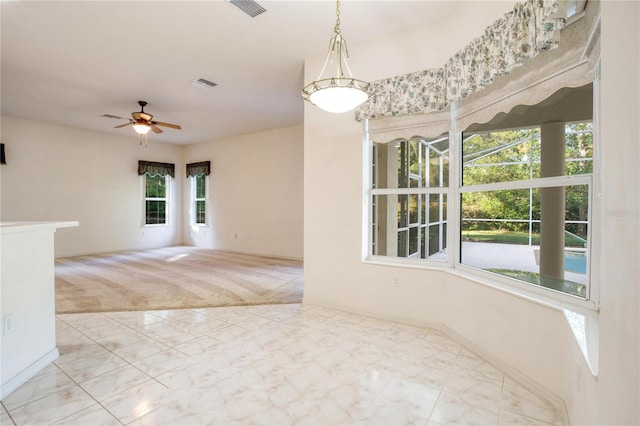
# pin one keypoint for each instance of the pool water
(575, 262)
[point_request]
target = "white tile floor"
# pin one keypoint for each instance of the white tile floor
(265, 365)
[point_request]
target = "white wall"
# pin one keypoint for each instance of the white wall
(528, 337)
(255, 193)
(61, 173)
(28, 298)
(613, 398)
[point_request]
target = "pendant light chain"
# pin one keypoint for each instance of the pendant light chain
(336, 29)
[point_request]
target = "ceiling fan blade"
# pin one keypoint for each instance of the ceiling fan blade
(113, 116)
(124, 125)
(155, 128)
(160, 123)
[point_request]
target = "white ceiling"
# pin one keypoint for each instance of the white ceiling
(70, 62)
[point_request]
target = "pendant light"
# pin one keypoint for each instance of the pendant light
(341, 93)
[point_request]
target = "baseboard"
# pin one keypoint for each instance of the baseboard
(533, 386)
(26, 374)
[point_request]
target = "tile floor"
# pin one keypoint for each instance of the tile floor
(265, 365)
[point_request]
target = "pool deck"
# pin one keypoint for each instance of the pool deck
(507, 256)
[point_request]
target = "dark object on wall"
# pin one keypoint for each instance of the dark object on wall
(3, 159)
(154, 168)
(201, 168)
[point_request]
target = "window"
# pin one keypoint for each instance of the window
(199, 195)
(198, 173)
(508, 199)
(524, 200)
(156, 198)
(409, 198)
(155, 181)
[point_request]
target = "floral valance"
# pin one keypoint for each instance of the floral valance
(198, 169)
(154, 168)
(530, 28)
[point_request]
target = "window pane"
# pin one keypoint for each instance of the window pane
(155, 212)
(434, 239)
(403, 207)
(155, 186)
(579, 152)
(402, 238)
(414, 209)
(402, 243)
(501, 156)
(434, 208)
(200, 212)
(200, 186)
(512, 155)
(402, 165)
(413, 240)
(438, 166)
(415, 163)
(500, 233)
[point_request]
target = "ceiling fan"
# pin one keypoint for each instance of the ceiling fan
(142, 121)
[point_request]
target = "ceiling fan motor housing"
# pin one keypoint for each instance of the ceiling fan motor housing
(141, 116)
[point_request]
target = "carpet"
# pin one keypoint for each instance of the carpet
(173, 278)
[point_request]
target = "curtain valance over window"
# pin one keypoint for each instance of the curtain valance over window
(532, 27)
(154, 168)
(200, 168)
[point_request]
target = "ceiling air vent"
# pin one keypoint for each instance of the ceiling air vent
(249, 7)
(203, 82)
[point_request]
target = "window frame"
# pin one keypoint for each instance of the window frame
(195, 199)
(453, 193)
(166, 199)
(421, 191)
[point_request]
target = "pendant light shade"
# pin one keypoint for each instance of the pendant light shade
(339, 93)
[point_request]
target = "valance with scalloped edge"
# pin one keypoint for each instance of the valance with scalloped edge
(154, 168)
(532, 27)
(198, 169)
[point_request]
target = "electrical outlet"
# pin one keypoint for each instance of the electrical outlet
(8, 325)
(395, 282)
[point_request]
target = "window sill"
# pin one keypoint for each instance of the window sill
(543, 296)
(586, 331)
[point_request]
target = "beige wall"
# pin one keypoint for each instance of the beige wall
(531, 338)
(61, 173)
(614, 397)
(255, 193)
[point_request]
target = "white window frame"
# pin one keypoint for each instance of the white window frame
(195, 199)
(166, 199)
(418, 190)
(453, 192)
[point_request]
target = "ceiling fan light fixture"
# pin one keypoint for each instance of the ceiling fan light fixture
(141, 128)
(341, 93)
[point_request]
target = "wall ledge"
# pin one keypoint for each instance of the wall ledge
(586, 331)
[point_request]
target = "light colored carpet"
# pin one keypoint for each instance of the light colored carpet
(173, 278)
